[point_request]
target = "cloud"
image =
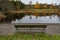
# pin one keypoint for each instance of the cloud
(41, 1)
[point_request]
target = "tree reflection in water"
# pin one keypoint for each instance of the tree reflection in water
(36, 17)
(59, 18)
(18, 16)
(30, 17)
(13, 17)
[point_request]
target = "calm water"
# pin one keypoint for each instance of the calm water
(38, 19)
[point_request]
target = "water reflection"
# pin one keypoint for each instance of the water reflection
(30, 17)
(13, 17)
(38, 19)
(59, 18)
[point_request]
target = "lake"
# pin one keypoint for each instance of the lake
(38, 19)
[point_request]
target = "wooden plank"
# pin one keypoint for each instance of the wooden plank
(30, 26)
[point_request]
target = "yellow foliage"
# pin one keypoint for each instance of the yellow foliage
(51, 7)
(37, 6)
(36, 14)
(45, 6)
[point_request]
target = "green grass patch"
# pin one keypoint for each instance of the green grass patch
(30, 36)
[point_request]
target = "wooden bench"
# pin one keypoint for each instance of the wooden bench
(30, 28)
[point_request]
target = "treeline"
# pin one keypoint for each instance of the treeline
(18, 4)
(11, 5)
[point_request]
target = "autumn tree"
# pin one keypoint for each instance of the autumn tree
(37, 5)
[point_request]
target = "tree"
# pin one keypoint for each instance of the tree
(6, 5)
(30, 4)
(18, 4)
(45, 6)
(37, 5)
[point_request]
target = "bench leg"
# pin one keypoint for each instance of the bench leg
(17, 30)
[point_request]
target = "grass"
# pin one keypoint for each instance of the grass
(27, 36)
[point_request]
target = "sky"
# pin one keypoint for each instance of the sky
(42, 1)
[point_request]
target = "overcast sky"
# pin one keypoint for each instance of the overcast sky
(41, 1)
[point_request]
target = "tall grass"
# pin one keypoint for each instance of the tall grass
(30, 36)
